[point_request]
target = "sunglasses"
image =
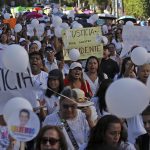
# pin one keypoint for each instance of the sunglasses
(65, 106)
(52, 141)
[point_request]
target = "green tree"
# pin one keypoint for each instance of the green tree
(137, 8)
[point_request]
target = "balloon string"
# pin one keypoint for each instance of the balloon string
(61, 95)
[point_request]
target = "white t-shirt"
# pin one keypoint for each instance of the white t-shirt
(79, 127)
(52, 104)
(95, 100)
(118, 45)
(40, 83)
(51, 66)
(135, 128)
(93, 85)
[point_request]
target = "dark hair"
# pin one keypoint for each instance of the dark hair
(24, 111)
(63, 143)
(101, 94)
(118, 29)
(97, 136)
(99, 70)
(58, 75)
(68, 92)
(36, 53)
(146, 111)
(123, 67)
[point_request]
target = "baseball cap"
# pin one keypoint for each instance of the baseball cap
(55, 74)
(81, 100)
(75, 65)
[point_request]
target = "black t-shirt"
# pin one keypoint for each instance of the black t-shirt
(110, 67)
(143, 142)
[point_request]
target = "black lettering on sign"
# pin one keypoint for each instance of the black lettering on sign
(18, 81)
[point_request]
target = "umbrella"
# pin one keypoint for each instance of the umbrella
(106, 16)
(127, 18)
(37, 8)
(34, 15)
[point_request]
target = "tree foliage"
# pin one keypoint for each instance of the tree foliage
(138, 8)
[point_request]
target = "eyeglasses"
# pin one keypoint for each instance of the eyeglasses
(52, 141)
(66, 106)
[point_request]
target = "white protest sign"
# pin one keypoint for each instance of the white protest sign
(135, 35)
(15, 85)
(23, 125)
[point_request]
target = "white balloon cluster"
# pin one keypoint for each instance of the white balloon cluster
(56, 21)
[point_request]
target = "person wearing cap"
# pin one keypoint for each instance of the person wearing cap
(23, 43)
(86, 107)
(54, 84)
(33, 47)
(50, 61)
(75, 79)
(72, 120)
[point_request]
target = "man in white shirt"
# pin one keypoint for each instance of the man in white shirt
(50, 61)
(39, 78)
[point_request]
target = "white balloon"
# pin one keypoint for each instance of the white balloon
(77, 26)
(35, 23)
(15, 58)
(40, 12)
(38, 43)
(105, 29)
(65, 26)
(91, 21)
(104, 40)
(139, 56)
(57, 21)
(14, 104)
(55, 10)
(7, 16)
(58, 32)
(129, 23)
(127, 97)
(94, 17)
(74, 54)
(18, 28)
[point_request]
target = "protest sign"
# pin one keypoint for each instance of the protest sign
(83, 39)
(15, 85)
(135, 35)
(23, 125)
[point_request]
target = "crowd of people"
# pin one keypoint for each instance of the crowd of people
(71, 95)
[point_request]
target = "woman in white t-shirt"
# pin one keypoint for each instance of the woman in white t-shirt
(93, 74)
(99, 99)
(55, 84)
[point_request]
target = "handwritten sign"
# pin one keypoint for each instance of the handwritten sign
(83, 39)
(15, 85)
(135, 35)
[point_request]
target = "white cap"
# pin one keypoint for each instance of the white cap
(75, 65)
(22, 39)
